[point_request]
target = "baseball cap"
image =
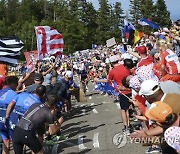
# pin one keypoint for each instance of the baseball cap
(158, 111)
(141, 49)
(149, 87)
(114, 58)
(69, 74)
(38, 77)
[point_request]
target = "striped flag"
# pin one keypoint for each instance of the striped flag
(148, 22)
(10, 49)
(49, 41)
(128, 32)
(137, 36)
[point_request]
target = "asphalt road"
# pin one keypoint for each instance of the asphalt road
(92, 127)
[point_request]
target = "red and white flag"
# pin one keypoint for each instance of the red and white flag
(49, 41)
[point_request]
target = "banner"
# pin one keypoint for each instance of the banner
(10, 49)
(49, 41)
(111, 42)
(31, 59)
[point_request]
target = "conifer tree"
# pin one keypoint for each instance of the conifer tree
(162, 16)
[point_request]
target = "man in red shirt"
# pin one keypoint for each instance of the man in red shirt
(145, 58)
(116, 75)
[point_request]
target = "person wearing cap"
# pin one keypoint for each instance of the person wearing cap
(145, 58)
(152, 92)
(116, 75)
(72, 88)
(38, 80)
(168, 92)
(169, 61)
(164, 117)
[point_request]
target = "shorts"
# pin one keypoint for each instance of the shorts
(23, 137)
(124, 102)
(6, 133)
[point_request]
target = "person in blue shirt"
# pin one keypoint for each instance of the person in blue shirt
(23, 101)
(6, 96)
(19, 105)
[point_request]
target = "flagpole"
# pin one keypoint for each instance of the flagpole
(32, 41)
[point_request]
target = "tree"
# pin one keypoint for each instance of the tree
(88, 16)
(162, 16)
(104, 22)
(135, 11)
(147, 9)
(117, 20)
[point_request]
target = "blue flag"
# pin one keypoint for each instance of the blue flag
(147, 22)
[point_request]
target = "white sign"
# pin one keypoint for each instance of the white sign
(111, 42)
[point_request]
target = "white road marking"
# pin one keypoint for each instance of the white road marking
(92, 104)
(80, 143)
(95, 140)
(83, 111)
(106, 102)
(75, 106)
(118, 105)
(82, 105)
(95, 111)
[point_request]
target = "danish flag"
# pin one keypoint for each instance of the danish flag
(49, 41)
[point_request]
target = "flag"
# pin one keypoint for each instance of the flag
(147, 22)
(49, 41)
(142, 23)
(10, 49)
(31, 59)
(137, 36)
(128, 32)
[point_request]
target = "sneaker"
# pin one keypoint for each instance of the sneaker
(59, 138)
(152, 149)
(103, 93)
(126, 131)
(50, 142)
(56, 140)
(131, 129)
(106, 95)
(116, 101)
